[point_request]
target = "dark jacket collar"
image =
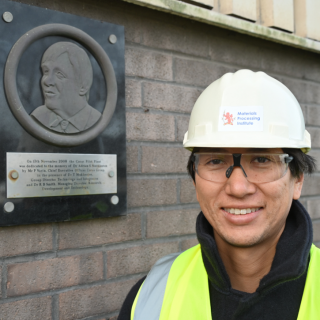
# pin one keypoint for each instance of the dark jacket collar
(290, 261)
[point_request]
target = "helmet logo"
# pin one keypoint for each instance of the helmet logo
(240, 118)
(227, 118)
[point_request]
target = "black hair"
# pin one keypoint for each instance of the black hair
(301, 163)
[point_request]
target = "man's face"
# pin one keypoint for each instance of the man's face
(58, 83)
(273, 201)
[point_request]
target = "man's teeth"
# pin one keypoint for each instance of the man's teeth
(240, 211)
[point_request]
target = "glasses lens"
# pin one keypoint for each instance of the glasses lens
(213, 166)
(259, 168)
(262, 168)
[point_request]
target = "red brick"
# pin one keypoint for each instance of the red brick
(0, 282)
(150, 127)
(151, 192)
(187, 191)
(315, 136)
(132, 159)
(186, 244)
(133, 93)
(137, 259)
(170, 223)
(316, 155)
(164, 160)
(311, 185)
(169, 97)
(313, 112)
(313, 208)
(100, 231)
(169, 36)
(36, 276)
(182, 127)
(29, 309)
(78, 304)
(227, 49)
(25, 239)
(198, 73)
(316, 231)
(148, 64)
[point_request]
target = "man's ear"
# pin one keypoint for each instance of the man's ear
(298, 184)
(83, 91)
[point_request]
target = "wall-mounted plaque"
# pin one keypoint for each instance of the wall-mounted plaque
(31, 175)
(62, 117)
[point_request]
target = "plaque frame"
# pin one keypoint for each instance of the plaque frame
(11, 90)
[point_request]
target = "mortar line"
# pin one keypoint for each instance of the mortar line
(105, 265)
(55, 307)
(4, 279)
(172, 144)
(55, 238)
(139, 159)
(178, 191)
(142, 94)
(175, 129)
(106, 316)
(144, 225)
(156, 111)
(168, 207)
(174, 175)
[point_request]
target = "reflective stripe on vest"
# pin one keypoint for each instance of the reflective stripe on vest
(151, 293)
(177, 288)
(310, 303)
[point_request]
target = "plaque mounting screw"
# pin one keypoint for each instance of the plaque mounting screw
(114, 200)
(14, 175)
(8, 207)
(112, 39)
(111, 174)
(7, 16)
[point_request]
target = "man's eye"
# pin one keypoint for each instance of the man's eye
(214, 162)
(261, 160)
(60, 75)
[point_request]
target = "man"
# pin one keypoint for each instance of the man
(255, 259)
(66, 82)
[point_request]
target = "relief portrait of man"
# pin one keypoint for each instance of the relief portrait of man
(66, 82)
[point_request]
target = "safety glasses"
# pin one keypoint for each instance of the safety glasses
(256, 167)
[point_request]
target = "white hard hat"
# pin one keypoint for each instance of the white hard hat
(247, 109)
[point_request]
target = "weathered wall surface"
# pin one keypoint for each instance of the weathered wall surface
(83, 270)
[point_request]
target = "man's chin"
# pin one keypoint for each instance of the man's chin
(51, 106)
(243, 242)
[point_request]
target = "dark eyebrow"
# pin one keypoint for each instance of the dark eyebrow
(259, 150)
(254, 150)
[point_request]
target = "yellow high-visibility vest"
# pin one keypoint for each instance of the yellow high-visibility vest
(177, 288)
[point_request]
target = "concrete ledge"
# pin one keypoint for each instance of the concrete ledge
(223, 21)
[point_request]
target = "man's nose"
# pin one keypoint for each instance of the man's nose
(48, 79)
(237, 185)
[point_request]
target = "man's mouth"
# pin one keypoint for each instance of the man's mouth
(236, 211)
(49, 93)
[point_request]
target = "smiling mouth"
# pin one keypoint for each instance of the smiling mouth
(237, 211)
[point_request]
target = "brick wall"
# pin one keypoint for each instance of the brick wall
(83, 270)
